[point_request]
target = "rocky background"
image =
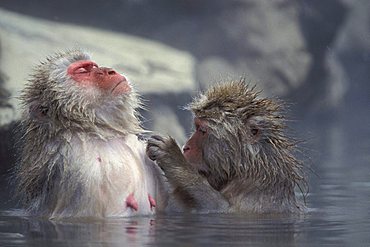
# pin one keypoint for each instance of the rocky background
(314, 54)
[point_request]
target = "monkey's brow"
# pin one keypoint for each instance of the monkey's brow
(84, 64)
(89, 64)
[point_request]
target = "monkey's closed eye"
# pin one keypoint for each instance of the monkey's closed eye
(81, 70)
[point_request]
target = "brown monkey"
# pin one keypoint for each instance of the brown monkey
(80, 155)
(238, 159)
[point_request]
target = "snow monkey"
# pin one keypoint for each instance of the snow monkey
(80, 154)
(239, 158)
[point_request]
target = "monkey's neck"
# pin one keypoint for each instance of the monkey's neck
(99, 128)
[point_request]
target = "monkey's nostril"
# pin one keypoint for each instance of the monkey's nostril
(185, 149)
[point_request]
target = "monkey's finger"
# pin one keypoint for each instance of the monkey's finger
(157, 137)
(152, 152)
(152, 156)
(155, 142)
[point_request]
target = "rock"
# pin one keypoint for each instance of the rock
(167, 123)
(164, 114)
(6, 109)
(153, 67)
(261, 40)
(352, 52)
(269, 43)
(323, 88)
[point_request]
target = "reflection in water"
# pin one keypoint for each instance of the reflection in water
(161, 231)
(319, 226)
(41, 232)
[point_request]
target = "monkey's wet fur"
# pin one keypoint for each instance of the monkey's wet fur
(80, 156)
(248, 162)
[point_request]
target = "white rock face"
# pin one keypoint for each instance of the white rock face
(151, 66)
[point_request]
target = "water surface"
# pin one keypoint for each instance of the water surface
(338, 215)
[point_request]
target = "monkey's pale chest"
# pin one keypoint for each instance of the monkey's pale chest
(115, 177)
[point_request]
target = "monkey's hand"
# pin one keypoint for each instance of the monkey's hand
(165, 151)
(191, 188)
(168, 155)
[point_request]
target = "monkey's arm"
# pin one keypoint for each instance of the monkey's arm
(191, 188)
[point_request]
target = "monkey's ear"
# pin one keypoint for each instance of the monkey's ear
(38, 112)
(255, 126)
(255, 133)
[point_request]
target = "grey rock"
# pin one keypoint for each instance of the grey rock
(352, 50)
(261, 40)
(153, 67)
(269, 45)
(166, 122)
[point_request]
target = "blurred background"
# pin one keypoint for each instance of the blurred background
(314, 54)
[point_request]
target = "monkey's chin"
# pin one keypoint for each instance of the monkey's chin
(123, 87)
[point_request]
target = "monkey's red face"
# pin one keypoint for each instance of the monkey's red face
(192, 150)
(89, 74)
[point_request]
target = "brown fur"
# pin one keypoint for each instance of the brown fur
(249, 158)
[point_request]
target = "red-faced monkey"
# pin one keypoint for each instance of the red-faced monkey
(239, 158)
(80, 155)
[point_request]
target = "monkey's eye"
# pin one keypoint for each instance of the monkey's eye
(81, 70)
(86, 68)
(202, 130)
(254, 131)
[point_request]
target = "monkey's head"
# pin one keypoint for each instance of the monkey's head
(69, 90)
(238, 135)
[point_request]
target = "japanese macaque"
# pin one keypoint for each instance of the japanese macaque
(238, 159)
(80, 154)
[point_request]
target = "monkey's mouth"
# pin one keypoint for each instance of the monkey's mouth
(121, 87)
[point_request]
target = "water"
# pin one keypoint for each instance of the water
(339, 215)
(190, 230)
(317, 227)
